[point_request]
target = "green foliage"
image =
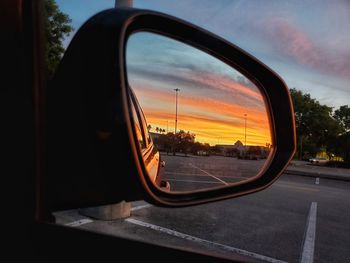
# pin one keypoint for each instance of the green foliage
(318, 128)
(342, 142)
(57, 26)
(343, 116)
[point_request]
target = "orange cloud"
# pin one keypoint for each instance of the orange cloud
(213, 121)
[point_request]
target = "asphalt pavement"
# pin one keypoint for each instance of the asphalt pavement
(307, 169)
(297, 219)
(186, 173)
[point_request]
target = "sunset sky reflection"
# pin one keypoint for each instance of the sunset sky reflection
(213, 97)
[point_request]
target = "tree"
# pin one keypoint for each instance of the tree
(342, 142)
(315, 125)
(57, 26)
(198, 147)
(343, 116)
(185, 140)
(165, 142)
(344, 146)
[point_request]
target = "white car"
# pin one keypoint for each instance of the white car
(318, 160)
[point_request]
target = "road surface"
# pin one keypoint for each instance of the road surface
(297, 219)
(185, 173)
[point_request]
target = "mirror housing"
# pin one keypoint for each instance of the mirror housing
(91, 140)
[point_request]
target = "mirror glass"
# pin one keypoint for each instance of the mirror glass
(204, 123)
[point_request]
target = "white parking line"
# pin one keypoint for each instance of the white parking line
(209, 174)
(198, 175)
(307, 255)
(140, 207)
(184, 174)
(317, 180)
(79, 222)
(192, 181)
(203, 241)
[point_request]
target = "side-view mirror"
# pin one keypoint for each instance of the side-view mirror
(209, 122)
(187, 116)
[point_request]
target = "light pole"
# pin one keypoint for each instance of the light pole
(245, 131)
(176, 91)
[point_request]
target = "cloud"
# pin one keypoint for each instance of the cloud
(208, 118)
(195, 80)
(208, 130)
(290, 40)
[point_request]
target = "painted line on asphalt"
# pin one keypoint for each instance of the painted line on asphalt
(79, 222)
(192, 181)
(140, 207)
(295, 187)
(209, 174)
(203, 241)
(307, 255)
(219, 176)
(317, 180)
(185, 174)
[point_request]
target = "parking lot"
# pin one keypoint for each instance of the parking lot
(198, 172)
(297, 219)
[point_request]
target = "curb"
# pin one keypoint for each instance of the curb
(320, 175)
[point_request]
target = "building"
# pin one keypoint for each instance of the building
(239, 150)
(233, 150)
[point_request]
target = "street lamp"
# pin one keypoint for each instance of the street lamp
(176, 91)
(245, 130)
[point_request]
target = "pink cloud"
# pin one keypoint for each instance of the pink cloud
(295, 42)
(292, 41)
(225, 83)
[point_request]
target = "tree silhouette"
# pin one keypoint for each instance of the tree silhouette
(184, 141)
(341, 143)
(57, 26)
(315, 126)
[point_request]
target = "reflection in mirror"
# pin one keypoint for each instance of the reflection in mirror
(207, 121)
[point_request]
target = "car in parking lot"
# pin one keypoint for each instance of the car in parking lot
(150, 154)
(318, 160)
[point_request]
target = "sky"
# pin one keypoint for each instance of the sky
(306, 42)
(215, 102)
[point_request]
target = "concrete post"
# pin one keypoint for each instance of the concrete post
(123, 3)
(108, 212)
